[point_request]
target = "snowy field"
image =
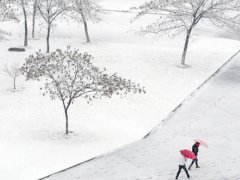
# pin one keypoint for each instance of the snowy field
(212, 114)
(32, 137)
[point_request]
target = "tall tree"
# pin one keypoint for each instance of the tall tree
(69, 75)
(86, 10)
(50, 10)
(34, 12)
(23, 5)
(176, 16)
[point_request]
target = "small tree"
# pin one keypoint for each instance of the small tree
(13, 71)
(70, 75)
(176, 16)
(86, 10)
(50, 10)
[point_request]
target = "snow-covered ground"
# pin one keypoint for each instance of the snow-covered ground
(212, 114)
(32, 137)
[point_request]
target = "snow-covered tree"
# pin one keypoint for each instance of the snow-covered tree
(13, 71)
(176, 16)
(69, 75)
(85, 10)
(49, 11)
(6, 14)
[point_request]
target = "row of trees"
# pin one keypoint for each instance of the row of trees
(49, 11)
(68, 74)
(172, 16)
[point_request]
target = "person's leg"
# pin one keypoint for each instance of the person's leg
(196, 161)
(186, 171)
(179, 170)
(191, 164)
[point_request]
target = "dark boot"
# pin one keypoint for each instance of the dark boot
(197, 166)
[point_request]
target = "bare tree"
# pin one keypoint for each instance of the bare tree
(178, 16)
(13, 71)
(86, 10)
(30, 7)
(50, 10)
(70, 75)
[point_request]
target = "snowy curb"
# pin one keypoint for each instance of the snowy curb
(68, 168)
(189, 97)
(163, 121)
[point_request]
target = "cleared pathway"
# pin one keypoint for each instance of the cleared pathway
(212, 114)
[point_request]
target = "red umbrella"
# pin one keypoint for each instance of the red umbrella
(201, 142)
(188, 154)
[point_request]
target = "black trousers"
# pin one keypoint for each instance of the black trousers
(194, 161)
(180, 169)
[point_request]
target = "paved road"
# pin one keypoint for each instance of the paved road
(212, 114)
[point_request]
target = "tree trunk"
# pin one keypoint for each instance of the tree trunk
(25, 25)
(48, 36)
(85, 27)
(14, 83)
(66, 117)
(34, 18)
(186, 46)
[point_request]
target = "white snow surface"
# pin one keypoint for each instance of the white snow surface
(32, 139)
(212, 114)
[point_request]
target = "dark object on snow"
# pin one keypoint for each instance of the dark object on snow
(16, 49)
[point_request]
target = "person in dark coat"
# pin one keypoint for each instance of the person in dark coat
(182, 165)
(195, 151)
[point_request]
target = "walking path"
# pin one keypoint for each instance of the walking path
(212, 114)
